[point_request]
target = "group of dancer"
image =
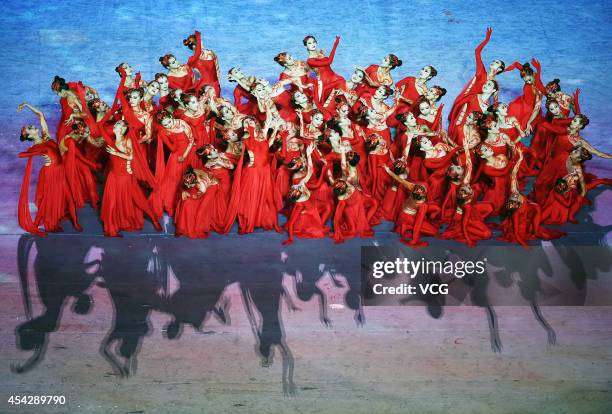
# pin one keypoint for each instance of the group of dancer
(335, 156)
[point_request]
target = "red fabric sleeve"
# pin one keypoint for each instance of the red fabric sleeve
(23, 210)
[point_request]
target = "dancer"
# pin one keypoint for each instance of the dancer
(123, 203)
(205, 61)
(327, 79)
(53, 197)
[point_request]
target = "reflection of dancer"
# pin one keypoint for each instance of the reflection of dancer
(58, 277)
(133, 299)
(269, 331)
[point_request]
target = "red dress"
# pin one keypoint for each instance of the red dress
(53, 198)
(199, 126)
(81, 181)
(177, 138)
(247, 108)
(543, 139)
(353, 217)
(376, 80)
(468, 226)
(207, 65)
(70, 107)
(219, 205)
(474, 86)
(436, 175)
(379, 180)
(412, 91)
(498, 191)
(556, 163)
(186, 82)
(193, 216)
(305, 221)
(123, 202)
(414, 224)
(560, 208)
(325, 74)
(256, 207)
(524, 225)
(393, 200)
(524, 106)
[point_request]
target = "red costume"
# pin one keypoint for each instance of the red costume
(467, 225)
(53, 197)
(177, 138)
(123, 202)
(325, 75)
(523, 224)
(207, 64)
(354, 215)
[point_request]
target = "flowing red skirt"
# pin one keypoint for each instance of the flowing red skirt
(124, 205)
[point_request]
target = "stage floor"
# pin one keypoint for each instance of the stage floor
(272, 328)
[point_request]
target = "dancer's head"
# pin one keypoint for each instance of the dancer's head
(391, 61)
(435, 93)
(427, 72)
(207, 151)
(310, 43)
(490, 87)
(497, 66)
(59, 86)
(164, 118)
(169, 61)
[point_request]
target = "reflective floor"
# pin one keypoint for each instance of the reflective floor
(244, 324)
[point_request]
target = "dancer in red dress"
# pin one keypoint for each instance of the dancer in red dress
(394, 198)
(256, 207)
(327, 79)
(205, 61)
(566, 137)
(467, 225)
(569, 194)
(53, 197)
(379, 157)
(496, 169)
(411, 89)
(527, 107)
(416, 216)
(305, 220)
(218, 165)
(196, 114)
(482, 75)
(243, 91)
(123, 202)
(199, 190)
(522, 218)
(436, 162)
(380, 75)
(71, 103)
(179, 76)
(347, 92)
(375, 112)
(295, 71)
(81, 180)
(354, 213)
(128, 78)
(176, 134)
(478, 100)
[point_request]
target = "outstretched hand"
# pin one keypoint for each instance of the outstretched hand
(337, 39)
(536, 63)
(489, 32)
